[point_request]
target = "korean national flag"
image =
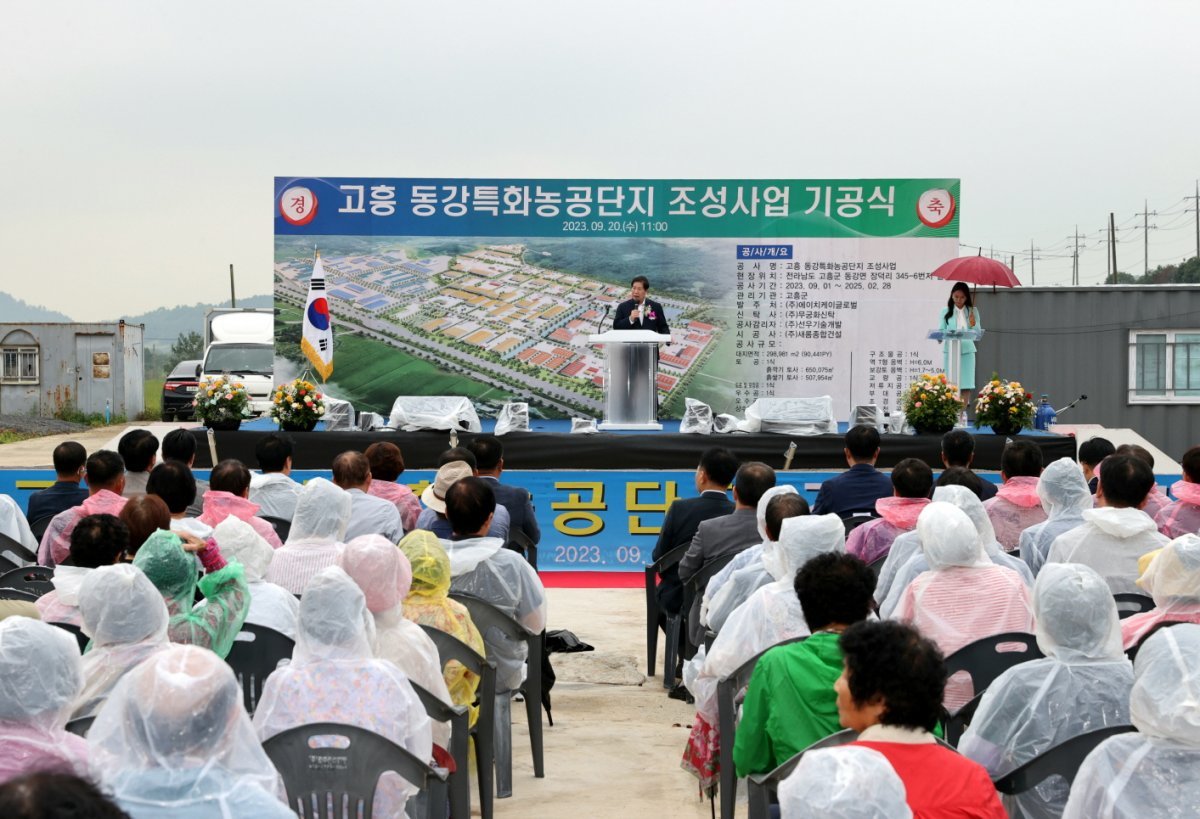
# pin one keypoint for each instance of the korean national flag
(317, 342)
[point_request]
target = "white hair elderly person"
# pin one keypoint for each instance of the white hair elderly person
(1065, 496)
(1173, 580)
(271, 605)
(1081, 685)
(849, 782)
(960, 571)
(126, 617)
(173, 740)
(315, 539)
(1155, 771)
(383, 573)
(770, 616)
(334, 677)
(916, 561)
(40, 676)
(747, 572)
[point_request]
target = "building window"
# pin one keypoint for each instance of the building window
(1164, 367)
(20, 365)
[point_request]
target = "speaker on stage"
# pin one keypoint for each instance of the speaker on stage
(791, 416)
(441, 412)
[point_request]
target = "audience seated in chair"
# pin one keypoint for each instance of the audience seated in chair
(334, 677)
(69, 458)
(1156, 771)
(912, 481)
(40, 676)
(272, 488)
(174, 741)
(1017, 504)
(959, 570)
(1173, 580)
(771, 615)
(175, 485)
(489, 465)
(958, 451)
(1091, 453)
(271, 605)
(844, 782)
(1182, 516)
(1081, 685)
(790, 702)
(433, 517)
(856, 489)
(1117, 532)
(106, 481)
(97, 540)
(316, 536)
(228, 494)
(180, 445)
(53, 795)
(369, 515)
(891, 693)
(126, 618)
(387, 465)
(138, 448)
(170, 563)
(385, 576)
(480, 566)
(726, 535)
(143, 516)
(14, 525)
(1065, 497)
(1156, 498)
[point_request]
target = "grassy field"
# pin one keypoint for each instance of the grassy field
(152, 389)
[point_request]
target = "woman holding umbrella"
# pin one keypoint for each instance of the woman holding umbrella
(961, 314)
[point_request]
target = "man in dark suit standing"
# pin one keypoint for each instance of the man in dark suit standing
(639, 312)
(69, 458)
(856, 489)
(726, 535)
(489, 463)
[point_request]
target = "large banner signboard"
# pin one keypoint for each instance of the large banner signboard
(489, 287)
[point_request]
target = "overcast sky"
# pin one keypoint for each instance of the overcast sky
(139, 139)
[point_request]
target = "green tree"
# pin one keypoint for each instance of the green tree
(188, 346)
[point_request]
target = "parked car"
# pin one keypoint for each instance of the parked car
(179, 390)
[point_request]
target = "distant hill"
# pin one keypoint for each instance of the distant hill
(165, 324)
(13, 309)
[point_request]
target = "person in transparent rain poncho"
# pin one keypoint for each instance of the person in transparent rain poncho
(383, 573)
(315, 539)
(172, 569)
(173, 740)
(334, 677)
(911, 559)
(959, 570)
(1182, 516)
(1156, 771)
(40, 676)
(1065, 497)
(747, 572)
(271, 605)
(1081, 685)
(428, 604)
(770, 616)
(126, 617)
(1173, 580)
(843, 783)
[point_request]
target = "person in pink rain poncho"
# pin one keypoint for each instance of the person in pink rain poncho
(228, 494)
(912, 479)
(1182, 517)
(1017, 505)
(105, 473)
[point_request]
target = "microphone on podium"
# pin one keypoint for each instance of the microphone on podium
(600, 326)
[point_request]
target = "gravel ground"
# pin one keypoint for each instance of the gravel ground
(31, 425)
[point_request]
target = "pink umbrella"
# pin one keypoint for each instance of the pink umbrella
(977, 270)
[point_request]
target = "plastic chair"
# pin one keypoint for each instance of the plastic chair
(958, 723)
(673, 622)
(727, 690)
(487, 616)
(319, 780)
(1132, 651)
(282, 527)
(80, 727)
(451, 648)
(32, 579)
(694, 588)
(1062, 760)
(15, 594)
(459, 718)
(75, 630)
(853, 521)
(39, 526)
(16, 552)
(1131, 603)
(7, 565)
(519, 542)
(763, 788)
(257, 652)
(984, 661)
(876, 565)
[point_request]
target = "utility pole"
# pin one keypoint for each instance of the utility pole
(232, 295)
(1032, 274)
(1075, 263)
(1146, 214)
(1196, 210)
(1112, 243)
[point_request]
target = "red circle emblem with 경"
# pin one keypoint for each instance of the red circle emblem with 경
(297, 205)
(936, 208)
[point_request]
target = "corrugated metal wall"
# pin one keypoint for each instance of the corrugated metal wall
(1072, 341)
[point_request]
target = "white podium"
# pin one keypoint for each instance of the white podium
(631, 376)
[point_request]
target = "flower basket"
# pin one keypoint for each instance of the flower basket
(221, 403)
(932, 404)
(297, 406)
(1004, 406)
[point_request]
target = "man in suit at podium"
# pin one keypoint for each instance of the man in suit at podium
(640, 313)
